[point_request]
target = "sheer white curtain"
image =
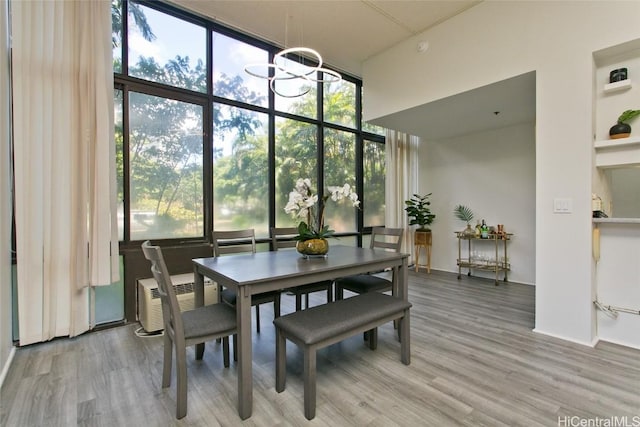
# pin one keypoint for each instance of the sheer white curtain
(66, 233)
(401, 181)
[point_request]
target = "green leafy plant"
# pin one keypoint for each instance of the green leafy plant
(463, 213)
(628, 115)
(419, 213)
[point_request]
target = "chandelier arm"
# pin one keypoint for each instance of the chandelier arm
(335, 77)
(298, 50)
(248, 67)
(272, 86)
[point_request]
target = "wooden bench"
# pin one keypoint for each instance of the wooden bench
(323, 325)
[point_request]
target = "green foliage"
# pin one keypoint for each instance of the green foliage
(135, 12)
(306, 233)
(628, 115)
(463, 213)
(418, 210)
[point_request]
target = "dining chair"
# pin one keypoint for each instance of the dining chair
(382, 238)
(236, 242)
(186, 328)
(283, 238)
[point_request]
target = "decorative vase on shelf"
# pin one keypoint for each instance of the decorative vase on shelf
(468, 232)
(620, 130)
(313, 248)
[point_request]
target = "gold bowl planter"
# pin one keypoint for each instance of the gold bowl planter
(313, 248)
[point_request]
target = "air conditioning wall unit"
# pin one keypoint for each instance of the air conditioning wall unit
(150, 305)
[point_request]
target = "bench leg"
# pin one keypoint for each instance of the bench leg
(310, 382)
(405, 345)
(225, 351)
(373, 338)
(281, 361)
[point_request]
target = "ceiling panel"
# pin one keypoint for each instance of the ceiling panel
(344, 32)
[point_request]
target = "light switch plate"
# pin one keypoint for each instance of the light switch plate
(562, 205)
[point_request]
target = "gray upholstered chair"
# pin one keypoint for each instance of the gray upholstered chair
(282, 238)
(381, 239)
(186, 328)
(236, 242)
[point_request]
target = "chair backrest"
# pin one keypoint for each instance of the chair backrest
(282, 237)
(233, 242)
(386, 238)
(171, 314)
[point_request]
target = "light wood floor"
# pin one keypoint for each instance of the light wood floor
(475, 362)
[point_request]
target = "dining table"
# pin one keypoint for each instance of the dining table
(249, 274)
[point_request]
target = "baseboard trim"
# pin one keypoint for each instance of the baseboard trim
(476, 277)
(620, 343)
(7, 365)
(560, 337)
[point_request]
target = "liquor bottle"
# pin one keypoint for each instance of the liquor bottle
(478, 230)
(484, 230)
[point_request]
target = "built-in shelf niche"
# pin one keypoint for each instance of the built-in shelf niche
(619, 152)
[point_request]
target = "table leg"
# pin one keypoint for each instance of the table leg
(402, 287)
(198, 291)
(402, 290)
(245, 374)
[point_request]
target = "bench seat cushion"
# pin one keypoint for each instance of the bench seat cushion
(319, 323)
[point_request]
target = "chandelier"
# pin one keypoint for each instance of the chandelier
(285, 70)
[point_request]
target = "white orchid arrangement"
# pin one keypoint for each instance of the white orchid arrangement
(302, 204)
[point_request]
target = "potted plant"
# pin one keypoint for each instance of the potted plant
(419, 213)
(309, 206)
(622, 129)
(464, 213)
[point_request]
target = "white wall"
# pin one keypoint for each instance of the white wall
(6, 344)
(493, 173)
(497, 40)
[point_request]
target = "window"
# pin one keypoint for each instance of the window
(166, 168)
(204, 145)
(374, 173)
(116, 35)
(340, 169)
(378, 130)
(156, 54)
(230, 81)
(240, 170)
(340, 103)
(119, 139)
(296, 157)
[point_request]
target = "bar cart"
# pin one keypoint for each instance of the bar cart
(498, 264)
